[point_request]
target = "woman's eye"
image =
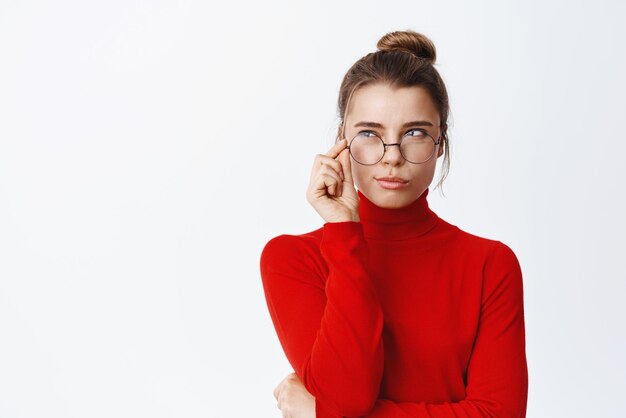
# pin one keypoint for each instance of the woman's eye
(416, 132)
(364, 133)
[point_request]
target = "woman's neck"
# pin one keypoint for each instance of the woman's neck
(406, 222)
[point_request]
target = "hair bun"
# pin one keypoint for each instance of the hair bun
(408, 41)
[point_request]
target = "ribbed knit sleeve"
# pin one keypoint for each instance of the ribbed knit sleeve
(327, 316)
(497, 375)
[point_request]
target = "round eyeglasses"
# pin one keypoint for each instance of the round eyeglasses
(417, 147)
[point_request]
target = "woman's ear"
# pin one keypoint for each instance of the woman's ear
(444, 139)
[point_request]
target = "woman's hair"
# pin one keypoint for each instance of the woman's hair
(404, 59)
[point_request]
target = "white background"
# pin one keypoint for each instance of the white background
(148, 151)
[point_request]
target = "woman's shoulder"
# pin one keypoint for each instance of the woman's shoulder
(304, 238)
(500, 267)
(293, 257)
(285, 245)
(489, 248)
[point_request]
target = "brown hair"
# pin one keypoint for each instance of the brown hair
(404, 59)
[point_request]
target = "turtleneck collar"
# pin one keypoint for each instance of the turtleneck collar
(406, 222)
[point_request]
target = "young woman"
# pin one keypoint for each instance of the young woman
(388, 310)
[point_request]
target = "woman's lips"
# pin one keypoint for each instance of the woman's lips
(392, 183)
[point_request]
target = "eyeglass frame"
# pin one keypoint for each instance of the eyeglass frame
(437, 142)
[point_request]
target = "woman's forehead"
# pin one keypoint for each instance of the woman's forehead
(384, 105)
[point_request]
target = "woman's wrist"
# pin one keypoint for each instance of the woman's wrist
(353, 218)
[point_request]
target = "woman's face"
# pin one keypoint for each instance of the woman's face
(393, 111)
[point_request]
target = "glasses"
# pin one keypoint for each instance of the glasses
(417, 147)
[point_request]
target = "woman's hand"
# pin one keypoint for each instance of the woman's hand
(331, 190)
(294, 401)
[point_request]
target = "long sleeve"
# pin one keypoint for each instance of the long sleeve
(330, 328)
(497, 375)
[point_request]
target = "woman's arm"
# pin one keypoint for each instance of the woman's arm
(329, 327)
(497, 375)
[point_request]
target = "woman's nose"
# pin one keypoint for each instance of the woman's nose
(392, 154)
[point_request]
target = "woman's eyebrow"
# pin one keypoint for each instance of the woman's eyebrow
(378, 125)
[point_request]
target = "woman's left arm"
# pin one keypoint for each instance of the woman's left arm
(497, 374)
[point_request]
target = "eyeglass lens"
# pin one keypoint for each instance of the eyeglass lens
(368, 148)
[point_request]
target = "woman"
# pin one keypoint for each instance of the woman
(388, 310)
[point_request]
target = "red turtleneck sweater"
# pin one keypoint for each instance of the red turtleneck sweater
(400, 315)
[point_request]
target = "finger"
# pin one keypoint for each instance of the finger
(326, 160)
(336, 149)
(346, 165)
(328, 181)
(277, 390)
(330, 184)
(325, 169)
(322, 161)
